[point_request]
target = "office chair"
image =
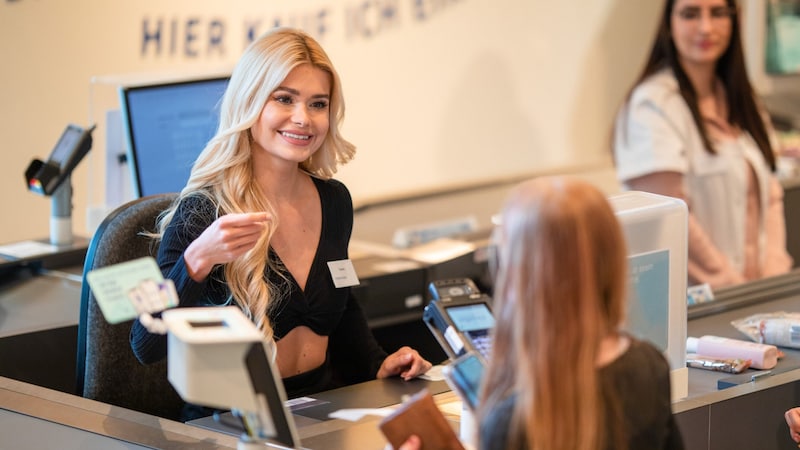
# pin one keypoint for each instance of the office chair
(106, 368)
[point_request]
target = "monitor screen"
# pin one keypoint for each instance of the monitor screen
(167, 125)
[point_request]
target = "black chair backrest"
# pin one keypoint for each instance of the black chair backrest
(107, 370)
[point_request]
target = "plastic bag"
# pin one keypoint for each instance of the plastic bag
(778, 328)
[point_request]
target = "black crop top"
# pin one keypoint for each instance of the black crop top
(325, 309)
(321, 305)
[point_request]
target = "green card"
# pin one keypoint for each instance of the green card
(112, 286)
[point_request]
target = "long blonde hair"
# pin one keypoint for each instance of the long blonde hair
(223, 172)
(560, 282)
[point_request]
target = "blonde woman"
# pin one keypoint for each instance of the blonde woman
(260, 219)
(562, 375)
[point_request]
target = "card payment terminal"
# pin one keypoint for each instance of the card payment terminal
(460, 317)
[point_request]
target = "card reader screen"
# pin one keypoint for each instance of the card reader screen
(472, 317)
(467, 374)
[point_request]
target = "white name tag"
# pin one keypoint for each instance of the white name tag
(343, 273)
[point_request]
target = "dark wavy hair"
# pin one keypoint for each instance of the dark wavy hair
(743, 111)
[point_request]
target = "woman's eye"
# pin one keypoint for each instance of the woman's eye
(285, 99)
(319, 105)
(689, 13)
(722, 12)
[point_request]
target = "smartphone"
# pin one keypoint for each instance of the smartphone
(464, 376)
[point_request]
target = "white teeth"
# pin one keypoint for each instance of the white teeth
(295, 136)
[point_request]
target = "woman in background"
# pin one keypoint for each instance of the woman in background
(692, 129)
(562, 375)
(261, 218)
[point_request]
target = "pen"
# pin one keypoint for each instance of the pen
(755, 376)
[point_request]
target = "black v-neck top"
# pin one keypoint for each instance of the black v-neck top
(353, 352)
(321, 305)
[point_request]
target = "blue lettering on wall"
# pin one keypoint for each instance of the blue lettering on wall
(173, 46)
(251, 30)
(195, 37)
(371, 17)
(151, 36)
(314, 23)
(425, 9)
(216, 36)
(192, 37)
(321, 25)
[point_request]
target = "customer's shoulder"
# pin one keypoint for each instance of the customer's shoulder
(643, 350)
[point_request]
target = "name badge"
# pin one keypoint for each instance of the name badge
(343, 273)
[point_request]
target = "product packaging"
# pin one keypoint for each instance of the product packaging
(734, 365)
(778, 328)
(762, 356)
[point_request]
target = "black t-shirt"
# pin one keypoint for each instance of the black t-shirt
(638, 382)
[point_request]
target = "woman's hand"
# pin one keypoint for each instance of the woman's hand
(405, 362)
(793, 420)
(412, 443)
(226, 239)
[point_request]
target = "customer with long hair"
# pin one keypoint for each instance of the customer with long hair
(562, 374)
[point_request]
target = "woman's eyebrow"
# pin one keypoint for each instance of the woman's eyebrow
(296, 92)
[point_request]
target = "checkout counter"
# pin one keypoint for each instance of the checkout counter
(39, 311)
(749, 415)
(32, 417)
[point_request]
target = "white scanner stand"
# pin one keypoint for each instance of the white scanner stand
(218, 358)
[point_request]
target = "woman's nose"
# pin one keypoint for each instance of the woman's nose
(300, 115)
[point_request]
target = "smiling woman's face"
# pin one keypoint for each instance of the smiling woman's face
(701, 30)
(295, 119)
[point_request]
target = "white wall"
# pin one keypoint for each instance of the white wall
(479, 89)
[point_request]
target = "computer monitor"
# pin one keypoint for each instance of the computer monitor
(166, 126)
